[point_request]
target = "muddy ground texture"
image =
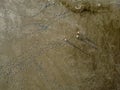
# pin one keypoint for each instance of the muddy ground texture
(59, 45)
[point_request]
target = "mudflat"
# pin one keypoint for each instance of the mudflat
(59, 45)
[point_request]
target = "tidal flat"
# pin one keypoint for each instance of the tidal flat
(59, 45)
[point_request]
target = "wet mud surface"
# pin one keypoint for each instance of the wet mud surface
(56, 45)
